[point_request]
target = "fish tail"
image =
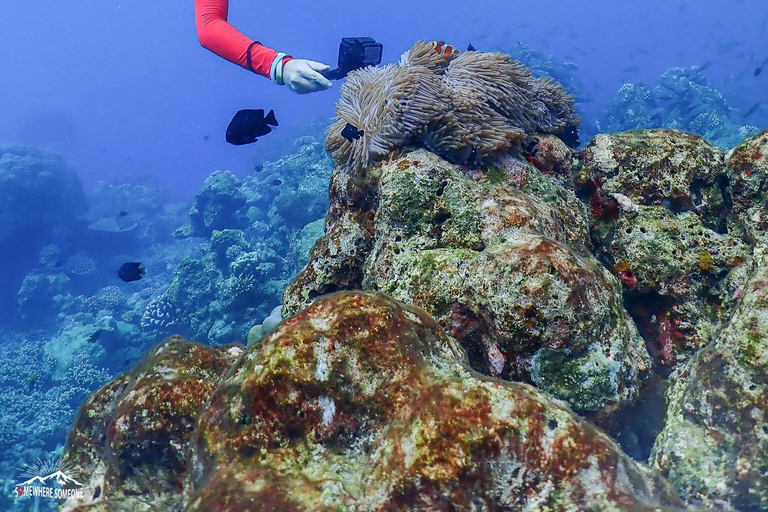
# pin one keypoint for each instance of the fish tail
(270, 119)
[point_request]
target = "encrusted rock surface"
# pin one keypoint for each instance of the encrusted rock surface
(499, 257)
(358, 403)
(749, 163)
(660, 204)
(714, 447)
(669, 168)
(130, 438)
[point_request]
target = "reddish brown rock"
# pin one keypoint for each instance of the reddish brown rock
(130, 438)
(358, 403)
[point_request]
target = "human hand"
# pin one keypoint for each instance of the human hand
(303, 76)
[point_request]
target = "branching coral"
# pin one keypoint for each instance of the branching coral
(466, 107)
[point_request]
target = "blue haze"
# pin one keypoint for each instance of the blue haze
(126, 94)
(123, 88)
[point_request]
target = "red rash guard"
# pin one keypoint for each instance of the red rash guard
(226, 41)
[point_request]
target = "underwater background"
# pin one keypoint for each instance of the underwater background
(112, 150)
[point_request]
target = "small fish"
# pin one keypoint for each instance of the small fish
(258, 167)
(758, 70)
(95, 336)
(443, 49)
(277, 182)
(570, 137)
(571, 65)
(725, 48)
(706, 65)
(206, 137)
(248, 125)
(131, 271)
(122, 214)
(471, 48)
(752, 109)
(351, 132)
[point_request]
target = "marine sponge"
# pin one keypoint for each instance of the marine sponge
(465, 108)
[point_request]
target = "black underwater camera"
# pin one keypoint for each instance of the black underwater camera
(355, 53)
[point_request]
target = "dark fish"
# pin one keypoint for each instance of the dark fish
(471, 48)
(206, 137)
(95, 336)
(248, 125)
(131, 271)
(725, 48)
(706, 65)
(752, 109)
(758, 70)
(122, 214)
(277, 182)
(570, 136)
(258, 167)
(351, 132)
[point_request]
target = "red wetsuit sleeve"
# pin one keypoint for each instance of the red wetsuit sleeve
(223, 39)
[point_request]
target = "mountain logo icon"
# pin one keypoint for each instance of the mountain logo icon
(55, 472)
(59, 477)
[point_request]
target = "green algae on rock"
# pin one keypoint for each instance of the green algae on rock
(669, 168)
(674, 271)
(714, 448)
(500, 257)
(358, 403)
(130, 438)
(749, 164)
(660, 206)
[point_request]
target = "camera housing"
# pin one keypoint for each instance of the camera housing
(355, 53)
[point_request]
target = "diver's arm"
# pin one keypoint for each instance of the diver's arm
(223, 39)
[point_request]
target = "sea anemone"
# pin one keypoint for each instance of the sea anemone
(464, 107)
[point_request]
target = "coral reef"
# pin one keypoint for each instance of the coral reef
(259, 233)
(358, 403)
(714, 447)
(466, 107)
(217, 205)
(142, 421)
(500, 259)
(660, 208)
(749, 164)
(684, 100)
(542, 65)
(40, 191)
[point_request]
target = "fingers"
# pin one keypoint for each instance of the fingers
(318, 66)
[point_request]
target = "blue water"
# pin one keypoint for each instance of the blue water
(124, 92)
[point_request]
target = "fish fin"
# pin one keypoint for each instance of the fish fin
(270, 119)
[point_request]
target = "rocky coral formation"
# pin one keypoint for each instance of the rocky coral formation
(749, 164)
(39, 192)
(500, 259)
(358, 403)
(131, 437)
(714, 447)
(259, 234)
(466, 107)
(684, 100)
(660, 207)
